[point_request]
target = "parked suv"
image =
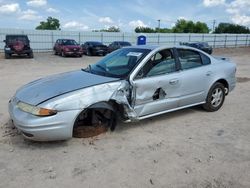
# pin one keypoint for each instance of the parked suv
(67, 47)
(17, 44)
(94, 48)
(117, 45)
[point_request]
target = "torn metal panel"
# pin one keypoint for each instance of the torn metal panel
(121, 96)
(117, 91)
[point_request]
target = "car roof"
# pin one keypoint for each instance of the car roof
(159, 47)
(93, 41)
(121, 41)
(66, 39)
(13, 35)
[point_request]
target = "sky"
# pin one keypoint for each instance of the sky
(88, 15)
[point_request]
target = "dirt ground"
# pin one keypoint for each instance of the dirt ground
(188, 148)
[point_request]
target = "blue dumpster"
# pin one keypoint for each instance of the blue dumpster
(141, 40)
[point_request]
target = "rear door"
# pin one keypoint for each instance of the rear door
(157, 84)
(195, 74)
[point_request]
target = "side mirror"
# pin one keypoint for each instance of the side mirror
(4, 40)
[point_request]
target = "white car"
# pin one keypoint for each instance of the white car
(132, 83)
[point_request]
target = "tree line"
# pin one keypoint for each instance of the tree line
(181, 26)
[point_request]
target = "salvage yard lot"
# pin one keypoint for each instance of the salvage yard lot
(187, 148)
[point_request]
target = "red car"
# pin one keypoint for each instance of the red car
(67, 47)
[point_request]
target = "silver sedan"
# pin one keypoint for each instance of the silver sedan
(131, 84)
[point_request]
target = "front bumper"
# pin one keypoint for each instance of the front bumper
(10, 51)
(100, 51)
(50, 128)
(72, 53)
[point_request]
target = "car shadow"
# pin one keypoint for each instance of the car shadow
(121, 126)
(13, 137)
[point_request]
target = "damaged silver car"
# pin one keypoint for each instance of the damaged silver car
(130, 84)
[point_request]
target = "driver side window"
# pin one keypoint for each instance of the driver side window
(162, 62)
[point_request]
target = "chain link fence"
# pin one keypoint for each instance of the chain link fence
(43, 40)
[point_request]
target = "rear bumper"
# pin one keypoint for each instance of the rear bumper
(50, 128)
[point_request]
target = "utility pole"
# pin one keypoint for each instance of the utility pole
(214, 22)
(159, 25)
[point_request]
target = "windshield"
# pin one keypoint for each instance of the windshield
(11, 39)
(96, 43)
(125, 44)
(69, 42)
(119, 63)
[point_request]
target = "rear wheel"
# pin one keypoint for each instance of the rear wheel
(7, 56)
(93, 122)
(215, 98)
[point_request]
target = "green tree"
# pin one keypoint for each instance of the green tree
(144, 30)
(185, 26)
(111, 29)
(50, 24)
(231, 28)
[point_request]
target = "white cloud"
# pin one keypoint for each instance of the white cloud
(29, 15)
(107, 20)
(137, 23)
(241, 19)
(75, 26)
(240, 11)
(52, 10)
(10, 8)
(36, 3)
(212, 3)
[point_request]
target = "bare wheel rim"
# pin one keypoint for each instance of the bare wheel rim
(217, 97)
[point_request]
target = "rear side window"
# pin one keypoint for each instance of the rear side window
(189, 58)
(205, 60)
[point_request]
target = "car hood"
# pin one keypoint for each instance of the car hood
(46, 88)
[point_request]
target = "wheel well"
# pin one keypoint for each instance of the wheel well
(101, 113)
(224, 82)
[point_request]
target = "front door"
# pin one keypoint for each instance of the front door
(157, 85)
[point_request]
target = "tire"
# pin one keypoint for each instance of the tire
(7, 56)
(88, 53)
(215, 98)
(62, 54)
(30, 55)
(55, 53)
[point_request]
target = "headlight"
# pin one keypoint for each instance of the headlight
(35, 110)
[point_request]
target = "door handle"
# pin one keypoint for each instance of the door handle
(209, 73)
(174, 81)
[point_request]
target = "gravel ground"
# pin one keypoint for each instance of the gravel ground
(188, 148)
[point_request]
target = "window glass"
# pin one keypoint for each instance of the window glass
(69, 42)
(162, 62)
(189, 58)
(205, 60)
(119, 63)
